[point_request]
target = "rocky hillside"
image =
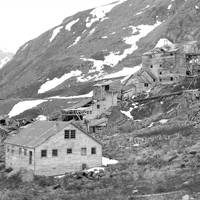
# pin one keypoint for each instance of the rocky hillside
(4, 58)
(95, 44)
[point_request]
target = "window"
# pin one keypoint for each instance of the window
(160, 73)
(160, 80)
(70, 134)
(171, 78)
(20, 150)
(154, 80)
(84, 166)
(93, 150)
(73, 134)
(54, 152)
(30, 157)
(25, 152)
(69, 151)
(146, 84)
(67, 133)
(83, 151)
(151, 66)
(107, 87)
(43, 153)
(160, 65)
(98, 106)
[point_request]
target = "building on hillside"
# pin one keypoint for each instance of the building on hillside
(171, 63)
(97, 125)
(137, 83)
(105, 96)
(52, 148)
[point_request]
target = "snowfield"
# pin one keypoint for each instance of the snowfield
(23, 106)
(55, 33)
(57, 81)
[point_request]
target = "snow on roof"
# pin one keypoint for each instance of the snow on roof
(23, 106)
(164, 42)
(57, 81)
(55, 33)
(70, 24)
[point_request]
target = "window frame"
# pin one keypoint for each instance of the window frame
(43, 155)
(73, 133)
(67, 134)
(54, 152)
(69, 152)
(93, 150)
(83, 151)
(70, 134)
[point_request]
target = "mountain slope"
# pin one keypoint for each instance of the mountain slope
(94, 43)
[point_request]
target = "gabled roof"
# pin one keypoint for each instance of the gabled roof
(139, 75)
(38, 132)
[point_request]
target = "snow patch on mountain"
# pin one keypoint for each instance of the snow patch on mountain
(89, 95)
(97, 64)
(108, 161)
(70, 24)
(57, 81)
(128, 113)
(25, 46)
(75, 42)
(169, 7)
(55, 33)
(100, 13)
(23, 106)
(4, 61)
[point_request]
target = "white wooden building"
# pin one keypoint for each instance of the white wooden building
(52, 148)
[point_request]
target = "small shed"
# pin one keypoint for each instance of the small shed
(97, 125)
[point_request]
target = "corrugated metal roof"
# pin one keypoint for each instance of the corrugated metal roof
(38, 132)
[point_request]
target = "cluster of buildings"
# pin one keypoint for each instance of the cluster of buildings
(57, 147)
(164, 65)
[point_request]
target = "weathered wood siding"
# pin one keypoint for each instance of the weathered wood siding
(67, 162)
(17, 160)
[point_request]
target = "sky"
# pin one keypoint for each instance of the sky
(23, 20)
